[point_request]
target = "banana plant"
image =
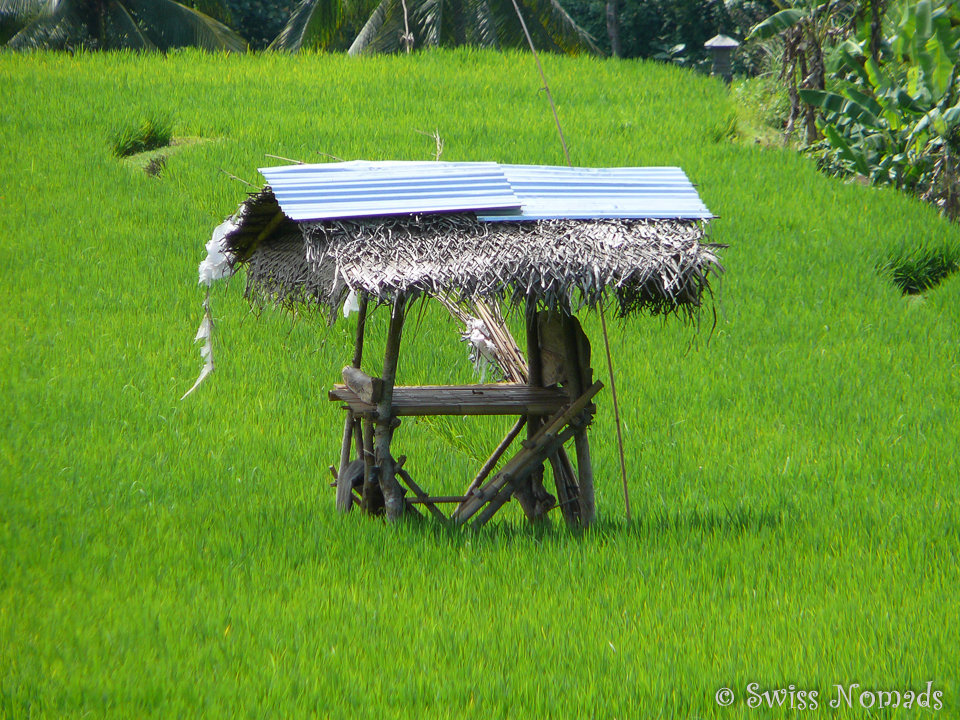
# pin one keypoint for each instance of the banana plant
(897, 122)
(806, 27)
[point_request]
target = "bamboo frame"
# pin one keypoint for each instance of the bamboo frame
(371, 430)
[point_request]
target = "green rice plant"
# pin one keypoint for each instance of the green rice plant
(918, 268)
(792, 469)
(151, 133)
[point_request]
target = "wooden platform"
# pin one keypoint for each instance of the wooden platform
(492, 399)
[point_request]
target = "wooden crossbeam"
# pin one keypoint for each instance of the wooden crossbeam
(417, 490)
(492, 399)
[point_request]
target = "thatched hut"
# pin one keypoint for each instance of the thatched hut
(546, 240)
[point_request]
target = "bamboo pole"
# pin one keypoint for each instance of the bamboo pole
(344, 495)
(492, 461)
(344, 491)
(368, 479)
(525, 493)
(554, 433)
(422, 497)
(514, 476)
(616, 413)
(392, 494)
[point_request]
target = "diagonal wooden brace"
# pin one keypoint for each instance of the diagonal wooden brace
(547, 441)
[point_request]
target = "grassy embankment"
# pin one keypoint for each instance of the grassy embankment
(793, 474)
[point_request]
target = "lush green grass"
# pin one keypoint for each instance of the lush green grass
(149, 134)
(793, 470)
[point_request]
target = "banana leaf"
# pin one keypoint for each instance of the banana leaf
(846, 152)
(776, 24)
(834, 103)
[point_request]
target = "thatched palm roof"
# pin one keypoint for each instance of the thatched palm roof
(654, 265)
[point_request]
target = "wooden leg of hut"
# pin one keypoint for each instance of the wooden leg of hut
(344, 491)
(358, 437)
(368, 477)
(392, 493)
(578, 373)
(345, 494)
(588, 508)
(533, 499)
(566, 500)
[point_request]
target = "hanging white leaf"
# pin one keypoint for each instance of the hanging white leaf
(351, 305)
(204, 333)
(216, 265)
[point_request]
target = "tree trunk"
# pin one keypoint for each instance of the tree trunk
(613, 27)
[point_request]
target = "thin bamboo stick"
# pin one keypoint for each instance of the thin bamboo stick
(492, 460)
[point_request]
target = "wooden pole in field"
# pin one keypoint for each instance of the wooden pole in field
(576, 373)
(369, 479)
(344, 491)
(525, 491)
(392, 493)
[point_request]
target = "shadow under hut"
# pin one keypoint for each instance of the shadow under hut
(542, 240)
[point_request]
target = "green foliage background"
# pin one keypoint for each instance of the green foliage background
(793, 469)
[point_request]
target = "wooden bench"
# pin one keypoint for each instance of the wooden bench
(493, 399)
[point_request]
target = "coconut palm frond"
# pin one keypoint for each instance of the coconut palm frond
(383, 31)
(59, 24)
(551, 27)
(119, 30)
(172, 25)
(445, 22)
(122, 24)
(561, 26)
(313, 24)
(484, 32)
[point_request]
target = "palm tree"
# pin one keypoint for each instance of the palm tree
(404, 24)
(114, 25)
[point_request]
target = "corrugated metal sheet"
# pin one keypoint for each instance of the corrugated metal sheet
(548, 193)
(495, 192)
(363, 189)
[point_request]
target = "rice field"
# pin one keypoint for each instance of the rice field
(792, 464)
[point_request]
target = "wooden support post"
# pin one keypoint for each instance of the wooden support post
(588, 508)
(345, 495)
(392, 494)
(578, 370)
(533, 499)
(358, 437)
(368, 476)
(344, 491)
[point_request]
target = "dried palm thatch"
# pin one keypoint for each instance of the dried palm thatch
(656, 266)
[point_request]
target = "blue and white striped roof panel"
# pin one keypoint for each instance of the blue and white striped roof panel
(549, 193)
(343, 190)
(493, 191)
